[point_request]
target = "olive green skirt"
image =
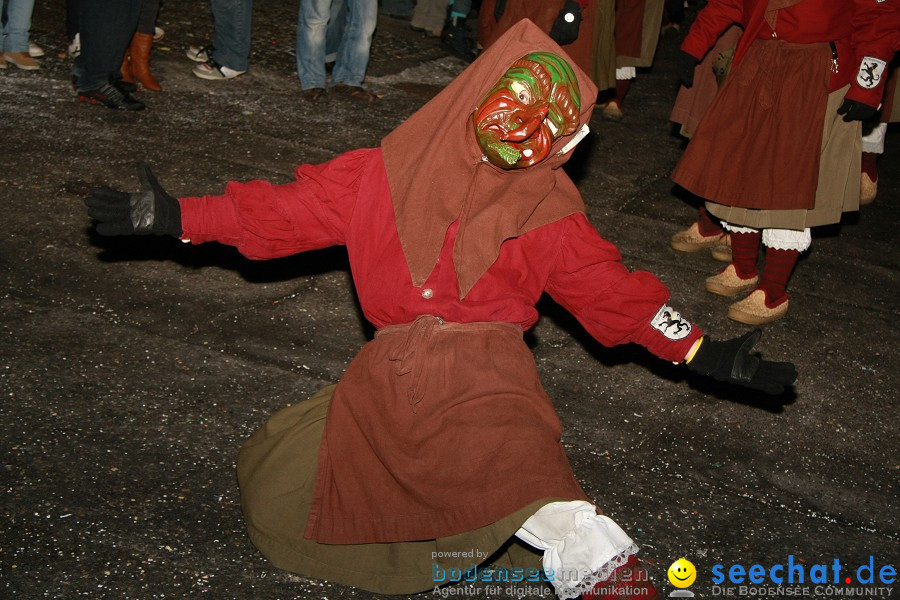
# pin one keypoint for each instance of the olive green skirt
(276, 470)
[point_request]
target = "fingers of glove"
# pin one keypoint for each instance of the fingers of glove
(856, 111)
(104, 196)
(851, 114)
(773, 377)
(763, 385)
(862, 113)
(115, 228)
(106, 204)
(784, 373)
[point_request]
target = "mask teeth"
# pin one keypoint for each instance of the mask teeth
(574, 141)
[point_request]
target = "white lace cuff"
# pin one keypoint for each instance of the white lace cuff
(787, 239)
(625, 73)
(737, 228)
(581, 548)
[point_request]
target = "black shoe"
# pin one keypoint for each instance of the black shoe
(110, 97)
(126, 87)
(455, 40)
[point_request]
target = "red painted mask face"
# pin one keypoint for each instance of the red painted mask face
(535, 103)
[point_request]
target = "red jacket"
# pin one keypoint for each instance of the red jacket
(863, 35)
(347, 201)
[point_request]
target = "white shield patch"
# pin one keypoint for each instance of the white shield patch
(870, 71)
(670, 323)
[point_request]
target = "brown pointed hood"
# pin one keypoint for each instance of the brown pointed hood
(436, 172)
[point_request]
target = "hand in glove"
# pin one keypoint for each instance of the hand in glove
(686, 63)
(732, 362)
(856, 111)
(565, 28)
(151, 210)
(499, 9)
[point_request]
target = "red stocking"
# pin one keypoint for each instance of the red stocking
(707, 225)
(622, 87)
(776, 272)
(870, 165)
(744, 252)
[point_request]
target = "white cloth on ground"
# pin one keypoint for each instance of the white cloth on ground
(581, 548)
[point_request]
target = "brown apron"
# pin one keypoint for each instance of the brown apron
(436, 429)
(837, 190)
(758, 146)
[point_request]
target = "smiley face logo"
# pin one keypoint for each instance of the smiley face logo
(682, 573)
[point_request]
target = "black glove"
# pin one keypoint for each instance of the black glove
(856, 111)
(686, 63)
(499, 9)
(732, 362)
(151, 210)
(565, 27)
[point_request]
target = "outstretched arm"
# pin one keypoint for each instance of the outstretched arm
(262, 220)
(618, 306)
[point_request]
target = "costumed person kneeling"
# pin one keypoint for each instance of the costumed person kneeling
(454, 227)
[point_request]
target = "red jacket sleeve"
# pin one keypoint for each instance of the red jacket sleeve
(876, 37)
(263, 220)
(613, 304)
(711, 22)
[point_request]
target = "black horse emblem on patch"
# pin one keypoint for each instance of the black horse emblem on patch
(670, 323)
(870, 70)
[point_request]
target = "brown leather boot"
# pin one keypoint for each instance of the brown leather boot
(126, 67)
(139, 50)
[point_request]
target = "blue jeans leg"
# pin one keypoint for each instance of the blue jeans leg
(353, 53)
(312, 23)
(14, 37)
(334, 33)
(231, 42)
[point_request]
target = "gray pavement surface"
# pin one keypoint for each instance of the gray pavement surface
(131, 370)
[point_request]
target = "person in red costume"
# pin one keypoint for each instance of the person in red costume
(886, 29)
(439, 445)
(778, 150)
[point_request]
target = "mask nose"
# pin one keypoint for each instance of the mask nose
(529, 121)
